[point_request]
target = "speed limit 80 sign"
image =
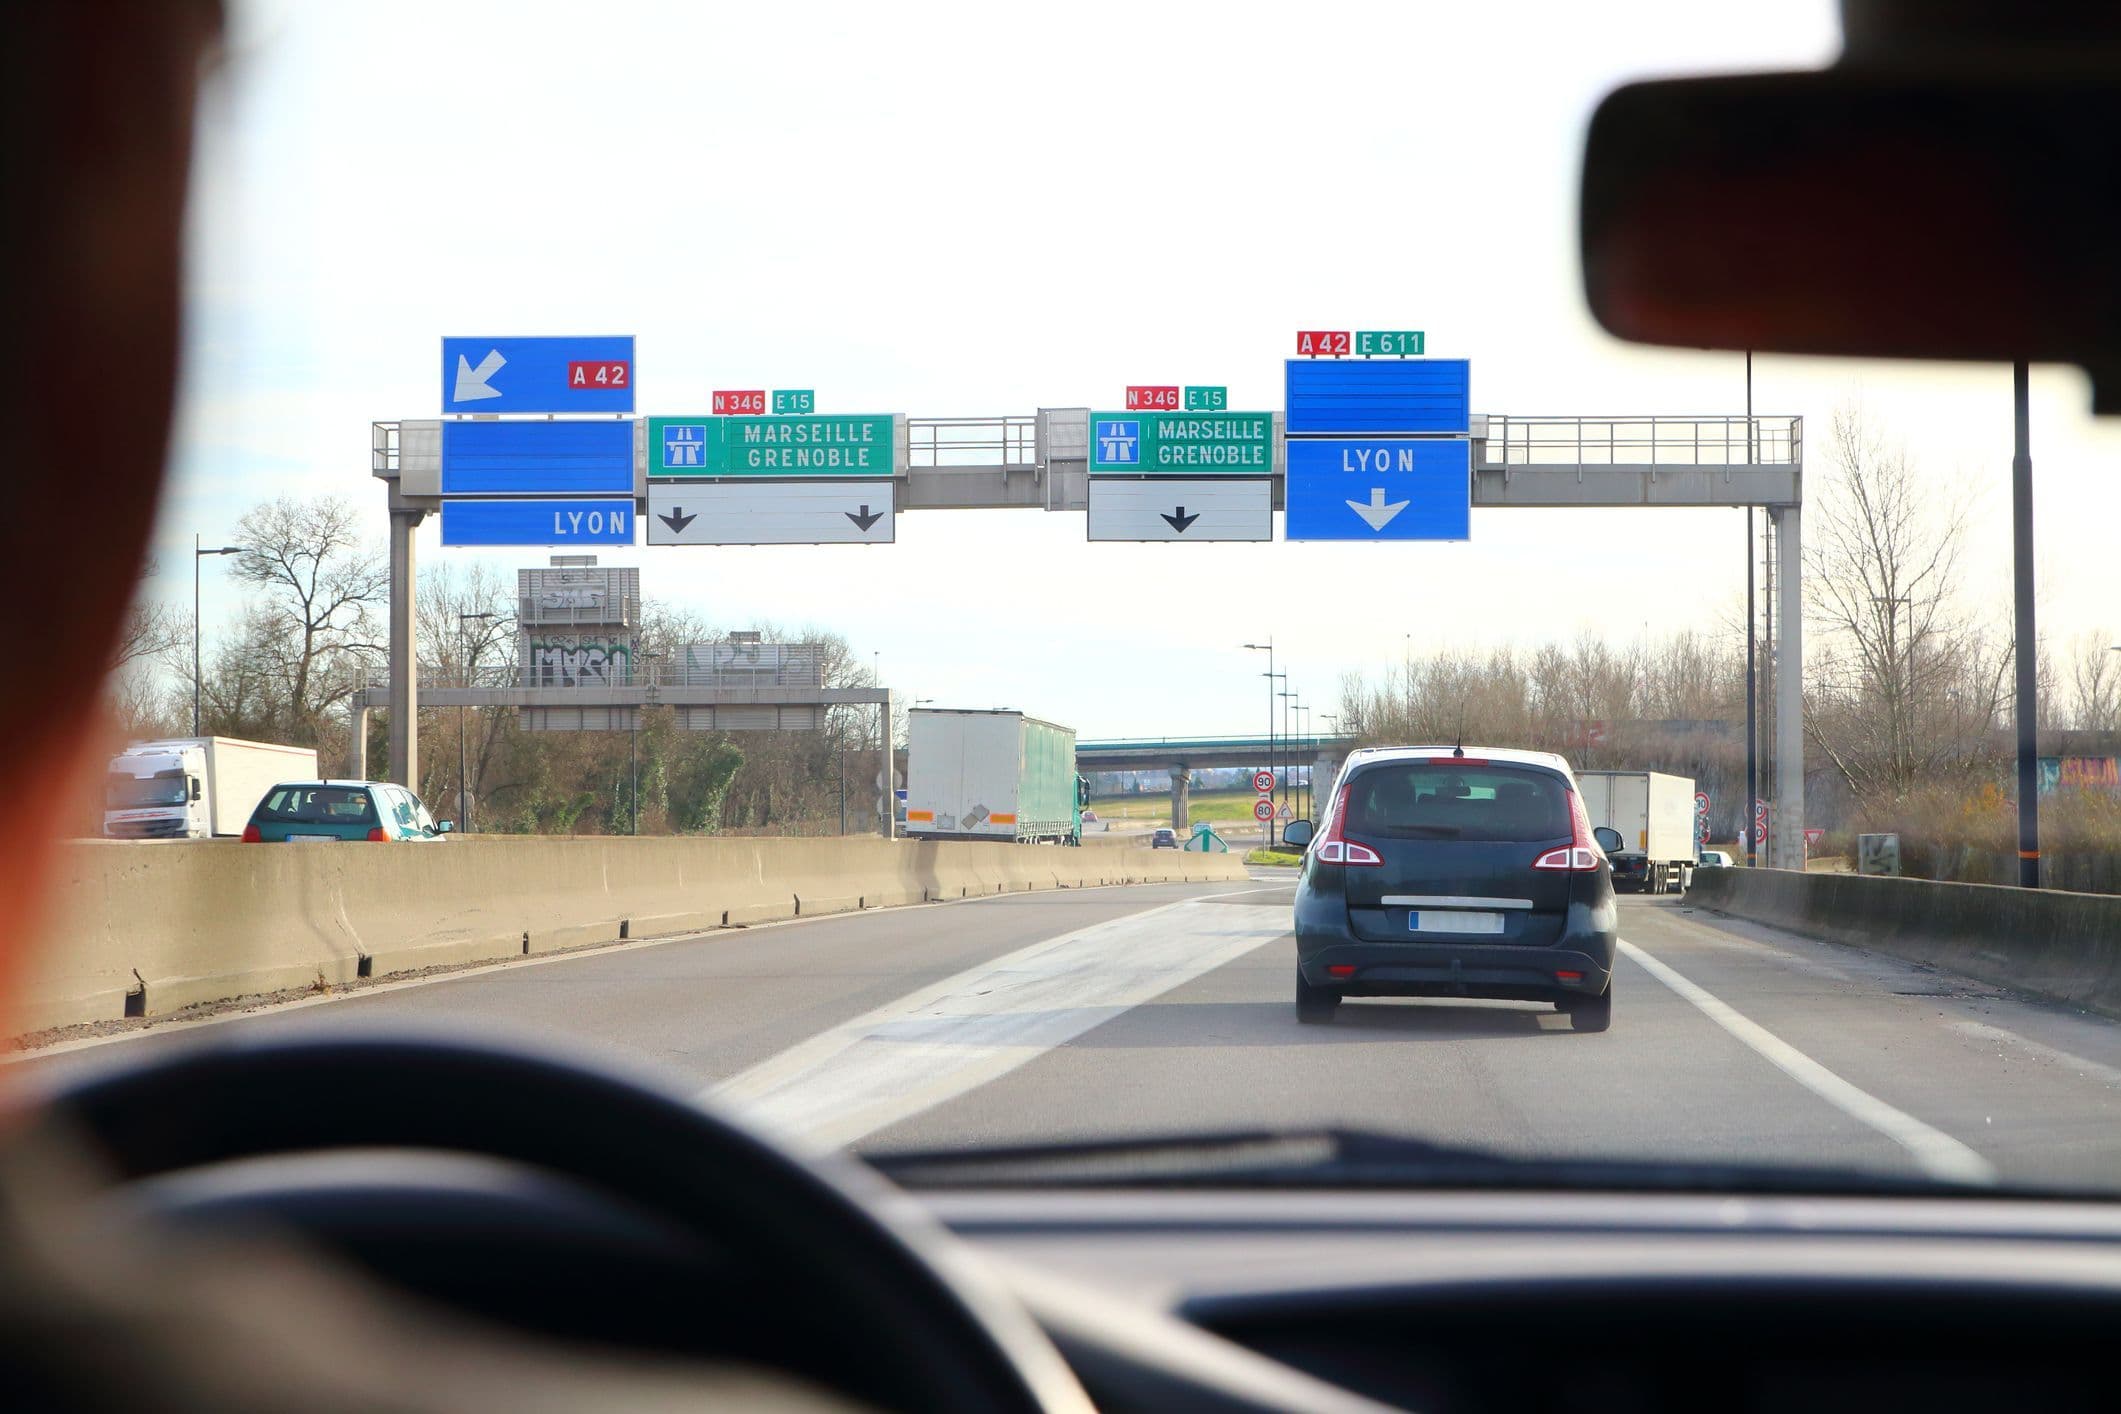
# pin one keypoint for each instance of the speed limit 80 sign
(1262, 809)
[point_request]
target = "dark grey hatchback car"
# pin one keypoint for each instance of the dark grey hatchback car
(1440, 871)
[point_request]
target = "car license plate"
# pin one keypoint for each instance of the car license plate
(1452, 920)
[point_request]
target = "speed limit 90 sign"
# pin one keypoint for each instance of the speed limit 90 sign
(1262, 781)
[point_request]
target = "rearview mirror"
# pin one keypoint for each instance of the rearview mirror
(1296, 832)
(1608, 838)
(1894, 212)
(445, 827)
(195, 791)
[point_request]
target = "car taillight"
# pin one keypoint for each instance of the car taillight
(376, 835)
(1582, 854)
(253, 835)
(1336, 848)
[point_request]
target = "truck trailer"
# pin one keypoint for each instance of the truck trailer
(991, 775)
(195, 787)
(1654, 814)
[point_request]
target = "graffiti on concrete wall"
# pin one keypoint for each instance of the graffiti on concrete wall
(577, 661)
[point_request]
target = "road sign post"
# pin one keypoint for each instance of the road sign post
(574, 374)
(749, 512)
(537, 458)
(1379, 489)
(1389, 343)
(1180, 508)
(573, 522)
(1182, 443)
(827, 445)
(1415, 397)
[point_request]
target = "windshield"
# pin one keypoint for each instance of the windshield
(318, 805)
(1498, 803)
(974, 491)
(138, 792)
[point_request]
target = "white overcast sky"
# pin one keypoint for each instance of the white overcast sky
(991, 208)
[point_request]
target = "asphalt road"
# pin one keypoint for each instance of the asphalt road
(1102, 1012)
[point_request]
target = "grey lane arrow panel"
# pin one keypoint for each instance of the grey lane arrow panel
(1182, 508)
(771, 512)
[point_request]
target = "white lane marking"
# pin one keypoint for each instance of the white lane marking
(953, 1036)
(1935, 1152)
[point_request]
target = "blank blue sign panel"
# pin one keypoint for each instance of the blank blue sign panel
(1380, 489)
(1385, 396)
(537, 458)
(537, 522)
(578, 373)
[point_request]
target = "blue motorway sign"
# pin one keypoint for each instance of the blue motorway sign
(573, 374)
(537, 522)
(1362, 396)
(537, 458)
(1379, 489)
(1117, 441)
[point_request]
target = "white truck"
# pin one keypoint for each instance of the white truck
(974, 775)
(1654, 815)
(195, 787)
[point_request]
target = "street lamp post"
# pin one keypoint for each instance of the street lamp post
(1268, 649)
(1303, 776)
(464, 660)
(1290, 736)
(1288, 753)
(1332, 721)
(197, 673)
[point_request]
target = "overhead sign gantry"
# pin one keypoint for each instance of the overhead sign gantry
(1378, 442)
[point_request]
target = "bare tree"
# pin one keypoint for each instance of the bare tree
(314, 614)
(1910, 687)
(2095, 683)
(151, 630)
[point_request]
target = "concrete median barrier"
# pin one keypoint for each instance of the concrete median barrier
(2064, 946)
(149, 928)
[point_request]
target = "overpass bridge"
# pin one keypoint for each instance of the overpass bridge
(1183, 755)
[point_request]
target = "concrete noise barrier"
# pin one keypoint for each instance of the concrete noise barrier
(147, 928)
(2064, 946)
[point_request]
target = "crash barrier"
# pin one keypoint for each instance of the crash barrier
(148, 928)
(2065, 946)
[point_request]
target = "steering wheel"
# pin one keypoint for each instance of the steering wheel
(816, 1259)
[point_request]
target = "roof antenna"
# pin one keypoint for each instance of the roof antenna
(1460, 748)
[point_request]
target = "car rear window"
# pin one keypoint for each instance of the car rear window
(318, 805)
(1423, 800)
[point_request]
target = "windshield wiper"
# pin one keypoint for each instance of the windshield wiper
(1354, 1158)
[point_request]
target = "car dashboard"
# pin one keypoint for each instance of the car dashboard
(1467, 1301)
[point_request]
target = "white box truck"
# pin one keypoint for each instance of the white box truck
(195, 787)
(974, 775)
(1654, 814)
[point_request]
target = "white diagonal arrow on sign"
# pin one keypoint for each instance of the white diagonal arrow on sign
(1377, 515)
(471, 382)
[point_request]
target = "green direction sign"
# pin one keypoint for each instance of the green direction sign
(787, 401)
(831, 445)
(1207, 399)
(1173, 442)
(1389, 343)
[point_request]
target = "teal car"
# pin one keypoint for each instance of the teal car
(342, 810)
